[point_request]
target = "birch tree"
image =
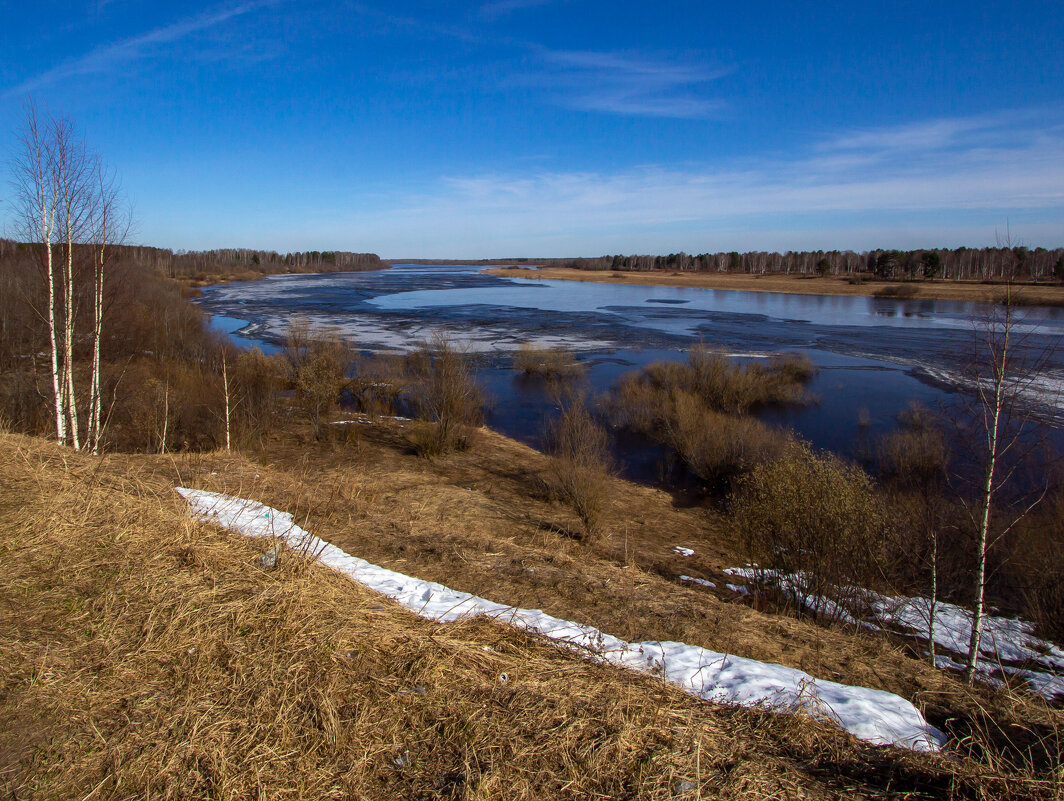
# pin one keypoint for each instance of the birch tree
(68, 208)
(1003, 372)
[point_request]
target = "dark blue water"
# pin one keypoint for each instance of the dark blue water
(875, 356)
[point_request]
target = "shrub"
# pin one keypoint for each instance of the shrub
(915, 454)
(717, 447)
(725, 385)
(580, 465)
(318, 368)
(446, 395)
(547, 362)
(815, 519)
(1036, 568)
(380, 384)
(898, 291)
(254, 382)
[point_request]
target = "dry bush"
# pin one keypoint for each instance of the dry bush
(727, 386)
(1036, 567)
(915, 454)
(814, 517)
(719, 448)
(550, 363)
(640, 400)
(319, 363)
(899, 291)
(580, 465)
(380, 384)
(160, 406)
(255, 381)
(446, 396)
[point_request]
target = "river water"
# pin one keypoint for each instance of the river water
(876, 356)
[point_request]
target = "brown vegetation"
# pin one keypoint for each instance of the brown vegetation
(860, 285)
(580, 464)
(815, 519)
(550, 363)
(699, 409)
(210, 665)
(447, 397)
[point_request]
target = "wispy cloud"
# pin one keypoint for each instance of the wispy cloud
(869, 184)
(619, 83)
(501, 8)
(108, 58)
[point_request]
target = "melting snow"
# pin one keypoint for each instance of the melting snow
(875, 716)
(682, 551)
(699, 581)
(1004, 639)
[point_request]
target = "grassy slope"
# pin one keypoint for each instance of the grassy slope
(141, 652)
(1052, 295)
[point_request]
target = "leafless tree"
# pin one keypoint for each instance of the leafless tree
(1003, 374)
(70, 209)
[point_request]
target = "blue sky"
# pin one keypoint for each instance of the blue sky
(558, 127)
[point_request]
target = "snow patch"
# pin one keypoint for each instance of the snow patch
(1004, 639)
(683, 551)
(699, 581)
(875, 716)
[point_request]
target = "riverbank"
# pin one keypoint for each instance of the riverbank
(1028, 294)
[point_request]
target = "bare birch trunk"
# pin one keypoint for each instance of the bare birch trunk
(225, 383)
(993, 407)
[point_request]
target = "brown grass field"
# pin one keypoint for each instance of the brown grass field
(1033, 294)
(143, 654)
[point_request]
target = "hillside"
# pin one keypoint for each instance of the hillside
(145, 653)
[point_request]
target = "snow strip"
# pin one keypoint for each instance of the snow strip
(878, 717)
(1004, 639)
(682, 551)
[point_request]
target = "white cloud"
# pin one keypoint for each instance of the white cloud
(848, 192)
(619, 83)
(110, 57)
(500, 8)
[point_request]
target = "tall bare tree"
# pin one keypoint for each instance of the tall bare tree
(1003, 374)
(69, 208)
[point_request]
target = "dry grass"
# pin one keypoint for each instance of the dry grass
(294, 688)
(790, 284)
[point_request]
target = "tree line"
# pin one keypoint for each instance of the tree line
(968, 264)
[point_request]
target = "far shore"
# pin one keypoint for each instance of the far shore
(1025, 294)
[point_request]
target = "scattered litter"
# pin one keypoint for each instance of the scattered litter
(268, 560)
(876, 716)
(683, 551)
(701, 582)
(683, 788)
(503, 678)
(403, 760)
(417, 688)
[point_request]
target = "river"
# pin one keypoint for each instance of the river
(875, 355)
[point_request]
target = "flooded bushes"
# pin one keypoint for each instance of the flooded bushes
(547, 362)
(580, 465)
(815, 519)
(446, 396)
(717, 447)
(701, 408)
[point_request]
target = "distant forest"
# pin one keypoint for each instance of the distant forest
(227, 262)
(980, 264)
